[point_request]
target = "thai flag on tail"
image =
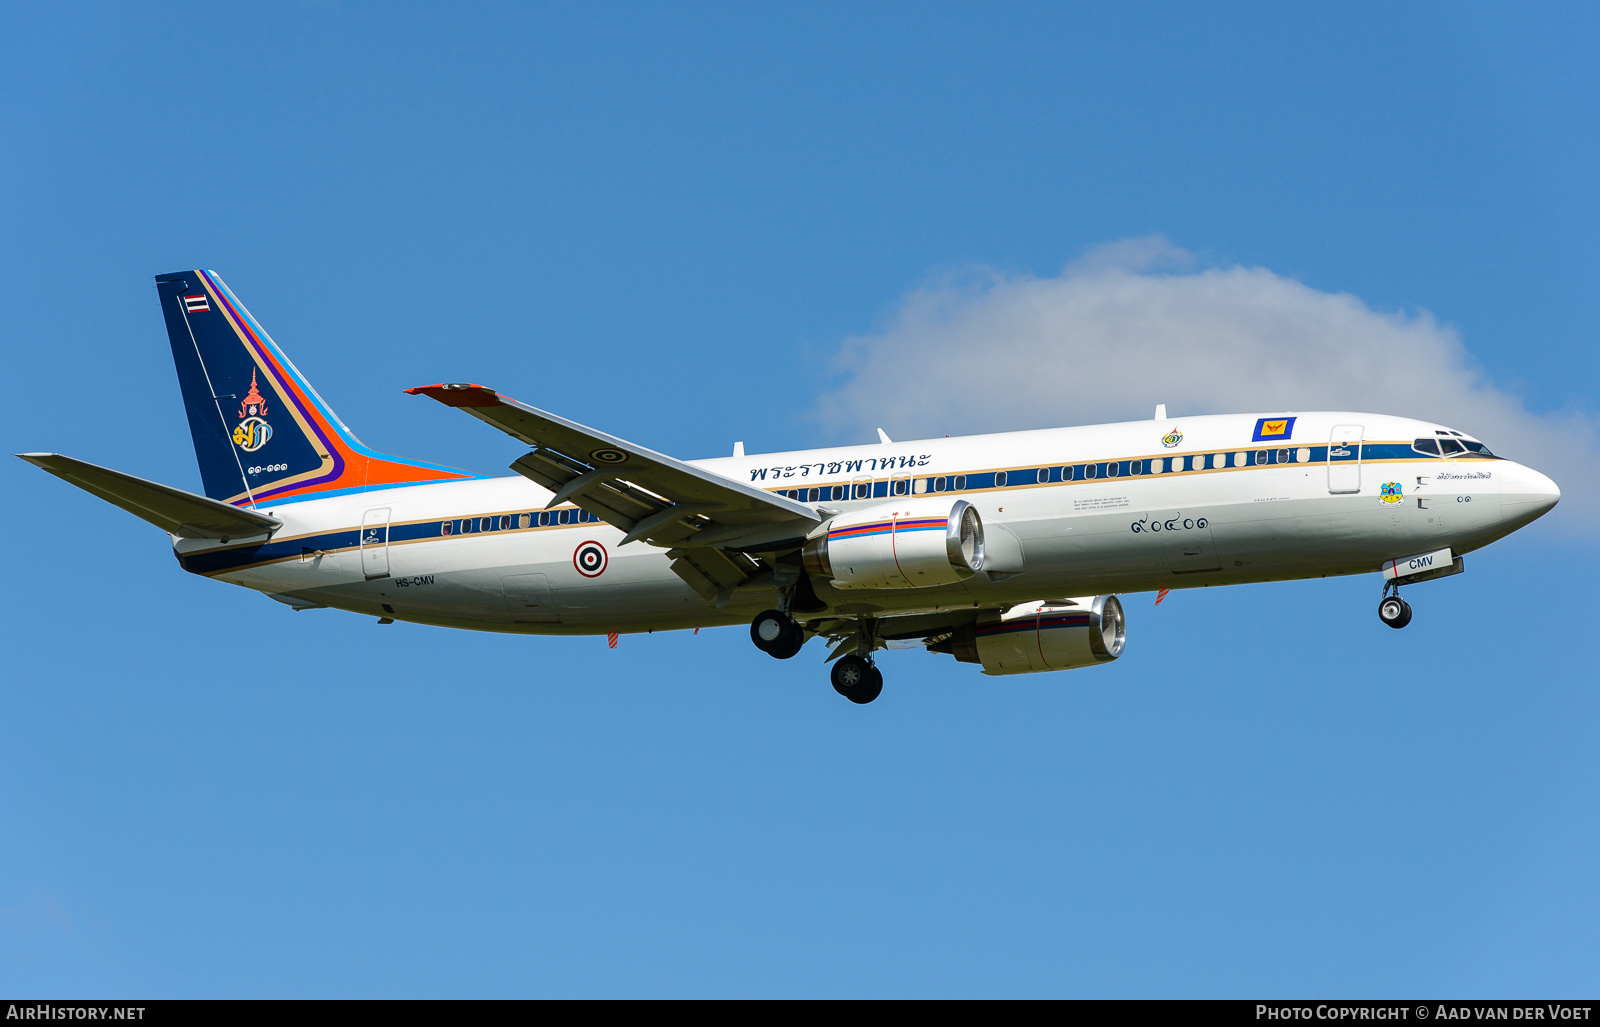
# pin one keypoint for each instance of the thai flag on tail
(196, 304)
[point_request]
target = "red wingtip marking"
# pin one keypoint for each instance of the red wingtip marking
(458, 395)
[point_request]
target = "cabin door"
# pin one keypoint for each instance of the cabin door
(375, 543)
(1344, 459)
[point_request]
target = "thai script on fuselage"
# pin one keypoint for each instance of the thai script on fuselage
(830, 467)
(1176, 523)
(1446, 475)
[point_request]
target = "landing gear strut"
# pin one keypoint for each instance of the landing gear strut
(1393, 610)
(777, 634)
(856, 679)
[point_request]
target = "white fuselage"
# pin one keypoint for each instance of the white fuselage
(474, 554)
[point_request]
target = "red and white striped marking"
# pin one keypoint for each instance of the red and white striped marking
(611, 639)
(196, 304)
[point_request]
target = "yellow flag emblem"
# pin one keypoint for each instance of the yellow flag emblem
(1274, 428)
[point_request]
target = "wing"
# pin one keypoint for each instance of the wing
(704, 518)
(174, 511)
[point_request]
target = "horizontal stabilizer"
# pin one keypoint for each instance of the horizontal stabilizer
(174, 511)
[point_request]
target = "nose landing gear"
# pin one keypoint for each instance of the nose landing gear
(1393, 610)
(856, 679)
(777, 634)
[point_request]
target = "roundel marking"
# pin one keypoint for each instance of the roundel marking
(607, 455)
(590, 559)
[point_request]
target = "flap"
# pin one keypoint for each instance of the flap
(647, 494)
(174, 511)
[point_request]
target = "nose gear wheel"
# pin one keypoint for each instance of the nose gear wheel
(1394, 611)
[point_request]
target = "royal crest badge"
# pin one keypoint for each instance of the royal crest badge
(1172, 438)
(252, 432)
(1390, 492)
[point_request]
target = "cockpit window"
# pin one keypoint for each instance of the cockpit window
(1476, 447)
(1428, 446)
(1450, 447)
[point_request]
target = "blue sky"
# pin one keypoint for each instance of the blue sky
(670, 222)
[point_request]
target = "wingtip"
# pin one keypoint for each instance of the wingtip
(458, 394)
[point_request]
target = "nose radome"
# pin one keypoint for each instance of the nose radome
(1526, 495)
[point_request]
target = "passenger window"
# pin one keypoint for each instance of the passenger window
(1283, 456)
(919, 486)
(961, 482)
(1261, 456)
(1111, 469)
(1303, 454)
(444, 527)
(1088, 470)
(999, 479)
(863, 490)
(938, 484)
(1450, 447)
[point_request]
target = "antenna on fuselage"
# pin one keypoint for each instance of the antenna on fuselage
(1161, 412)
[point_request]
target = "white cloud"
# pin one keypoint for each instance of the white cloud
(1132, 324)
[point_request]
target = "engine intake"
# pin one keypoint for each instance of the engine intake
(910, 544)
(1056, 634)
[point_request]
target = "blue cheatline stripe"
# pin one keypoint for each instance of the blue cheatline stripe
(217, 561)
(1255, 454)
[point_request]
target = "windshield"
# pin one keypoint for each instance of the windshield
(1450, 447)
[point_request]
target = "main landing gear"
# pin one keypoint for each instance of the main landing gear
(856, 679)
(1393, 610)
(777, 634)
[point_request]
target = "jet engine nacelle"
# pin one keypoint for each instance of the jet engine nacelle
(909, 544)
(1057, 634)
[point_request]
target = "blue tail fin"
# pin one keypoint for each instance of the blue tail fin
(261, 432)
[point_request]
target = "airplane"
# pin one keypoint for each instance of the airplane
(1004, 550)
